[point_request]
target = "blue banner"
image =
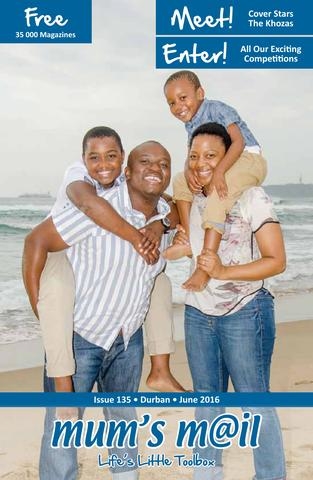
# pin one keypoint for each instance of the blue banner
(234, 34)
(244, 52)
(126, 399)
(237, 17)
(46, 21)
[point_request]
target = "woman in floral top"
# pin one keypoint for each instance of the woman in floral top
(230, 326)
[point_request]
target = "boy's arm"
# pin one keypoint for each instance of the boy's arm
(155, 230)
(233, 153)
(84, 197)
(42, 239)
(191, 179)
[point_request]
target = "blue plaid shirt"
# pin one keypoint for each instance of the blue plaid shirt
(219, 112)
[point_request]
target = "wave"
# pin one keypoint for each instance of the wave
(303, 206)
(302, 227)
(14, 229)
(26, 208)
(13, 295)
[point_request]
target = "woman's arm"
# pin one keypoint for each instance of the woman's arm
(42, 239)
(272, 262)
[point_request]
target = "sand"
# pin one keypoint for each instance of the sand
(292, 371)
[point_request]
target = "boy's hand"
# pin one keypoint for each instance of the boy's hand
(192, 181)
(152, 235)
(210, 263)
(146, 249)
(218, 182)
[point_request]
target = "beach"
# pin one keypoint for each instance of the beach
(21, 352)
(292, 371)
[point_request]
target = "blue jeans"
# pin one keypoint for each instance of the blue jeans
(116, 370)
(239, 346)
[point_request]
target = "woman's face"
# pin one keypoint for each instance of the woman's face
(205, 153)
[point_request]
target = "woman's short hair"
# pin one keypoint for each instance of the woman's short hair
(212, 128)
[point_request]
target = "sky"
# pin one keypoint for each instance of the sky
(52, 94)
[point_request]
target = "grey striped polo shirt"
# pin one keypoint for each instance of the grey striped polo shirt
(113, 282)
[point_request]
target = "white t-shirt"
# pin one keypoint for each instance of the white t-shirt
(74, 173)
(238, 246)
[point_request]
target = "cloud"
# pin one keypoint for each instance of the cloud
(51, 94)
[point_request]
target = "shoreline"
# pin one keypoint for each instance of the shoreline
(291, 371)
(25, 354)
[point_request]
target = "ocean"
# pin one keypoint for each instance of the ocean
(19, 215)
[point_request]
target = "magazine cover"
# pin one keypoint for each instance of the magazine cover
(157, 172)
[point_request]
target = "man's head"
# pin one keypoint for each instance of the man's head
(148, 170)
(208, 145)
(184, 94)
(103, 154)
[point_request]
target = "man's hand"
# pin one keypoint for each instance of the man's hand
(180, 247)
(218, 182)
(181, 237)
(210, 263)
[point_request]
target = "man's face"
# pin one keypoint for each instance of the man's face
(205, 152)
(183, 99)
(103, 159)
(149, 169)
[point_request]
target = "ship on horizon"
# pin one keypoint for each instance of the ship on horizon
(38, 195)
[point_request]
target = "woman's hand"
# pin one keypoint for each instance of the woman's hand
(210, 263)
(181, 237)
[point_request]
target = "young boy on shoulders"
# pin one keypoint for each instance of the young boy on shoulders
(241, 168)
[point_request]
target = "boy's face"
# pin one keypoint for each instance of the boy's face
(206, 151)
(103, 159)
(183, 99)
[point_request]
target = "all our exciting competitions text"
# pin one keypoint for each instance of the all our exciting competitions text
(210, 39)
(122, 436)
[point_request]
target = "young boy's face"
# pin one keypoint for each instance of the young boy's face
(103, 159)
(183, 98)
(206, 151)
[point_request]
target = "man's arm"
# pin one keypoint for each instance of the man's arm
(42, 239)
(84, 197)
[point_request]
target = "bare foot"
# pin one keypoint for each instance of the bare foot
(164, 383)
(174, 252)
(197, 282)
(66, 413)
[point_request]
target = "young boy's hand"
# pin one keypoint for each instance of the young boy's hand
(192, 181)
(218, 182)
